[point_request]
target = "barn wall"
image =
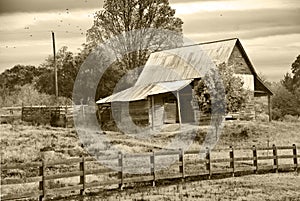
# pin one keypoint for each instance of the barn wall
(139, 112)
(242, 68)
(186, 105)
(248, 112)
(158, 111)
(135, 112)
(238, 62)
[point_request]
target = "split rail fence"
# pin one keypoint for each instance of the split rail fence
(185, 164)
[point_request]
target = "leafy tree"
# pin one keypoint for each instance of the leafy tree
(292, 81)
(12, 79)
(235, 95)
(296, 69)
(67, 68)
(121, 16)
(287, 82)
(283, 102)
(19, 75)
(28, 95)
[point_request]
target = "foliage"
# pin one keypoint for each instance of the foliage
(14, 78)
(286, 99)
(262, 117)
(120, 16)
(292, 81)
(28, 95)
(19, 75)
(287, 82)
(67, 69)
(283, 102)
(235, 94)
(290, 118)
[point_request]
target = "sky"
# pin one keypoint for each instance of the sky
(269, 30)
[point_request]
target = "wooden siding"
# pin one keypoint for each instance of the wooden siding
(239, 63)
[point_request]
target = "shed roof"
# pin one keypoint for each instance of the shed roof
(140, 92)
(175, 64)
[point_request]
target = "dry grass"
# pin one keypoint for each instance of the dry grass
(21, 143)
(282, 186)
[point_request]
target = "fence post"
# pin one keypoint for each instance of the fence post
(42, 184)
(181, 161)
(231, 155)
(295, 157)
(255, 161)
(208, 162)
(82, 178)
(152, 169)
(120, 162)
(276, 158)
(22, 112)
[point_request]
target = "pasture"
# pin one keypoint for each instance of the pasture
(271, 187)
(23, 144)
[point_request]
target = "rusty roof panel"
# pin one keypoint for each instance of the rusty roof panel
(175, 64)
(142, 92)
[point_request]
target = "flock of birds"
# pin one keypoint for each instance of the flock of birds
(61, 24)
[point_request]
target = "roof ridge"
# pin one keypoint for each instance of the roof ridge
(209, 42)
(202, 43)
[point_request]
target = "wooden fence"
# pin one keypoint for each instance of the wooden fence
(187, 164)
(42, 114)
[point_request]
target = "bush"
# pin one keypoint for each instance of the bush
(239, 131)
(277, 114)
(290, 118)
(57, 120)
(262, 117)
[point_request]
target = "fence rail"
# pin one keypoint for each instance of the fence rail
(180, 169)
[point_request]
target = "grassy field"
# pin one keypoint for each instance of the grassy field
(271, 187)
(23, 143)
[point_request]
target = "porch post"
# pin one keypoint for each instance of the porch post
(269, 108)
(152, 111)
(178, 105)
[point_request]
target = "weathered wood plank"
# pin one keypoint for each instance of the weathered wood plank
(21, 165)
(63, 189)
(21, 181)
(21, 196)
(64, 175)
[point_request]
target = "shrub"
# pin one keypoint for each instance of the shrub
(262, 117)
(239, 131)
(290, 118)
(277, 114)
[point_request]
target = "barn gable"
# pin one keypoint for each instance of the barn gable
(237, 60)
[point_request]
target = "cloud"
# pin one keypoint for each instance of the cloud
(228, 21)
(11, 6)
(269, 30)
(190, 8)
(37, 26)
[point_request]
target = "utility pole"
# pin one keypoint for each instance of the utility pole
(55, 67)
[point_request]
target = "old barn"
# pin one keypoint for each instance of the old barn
(163, 92)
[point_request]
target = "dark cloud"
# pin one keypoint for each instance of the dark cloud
(10, 6)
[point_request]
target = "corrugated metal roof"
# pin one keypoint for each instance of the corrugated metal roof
(140, 92)
(175, 64)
